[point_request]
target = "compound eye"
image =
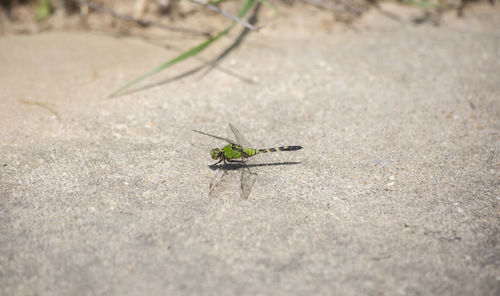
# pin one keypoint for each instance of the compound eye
(214, 153)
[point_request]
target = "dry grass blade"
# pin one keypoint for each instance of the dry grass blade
(226, 14)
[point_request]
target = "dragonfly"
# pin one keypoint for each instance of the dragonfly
(240, 151)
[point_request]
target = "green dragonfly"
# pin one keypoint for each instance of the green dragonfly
(239, 151)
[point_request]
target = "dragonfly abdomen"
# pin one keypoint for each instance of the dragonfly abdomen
(282, 148)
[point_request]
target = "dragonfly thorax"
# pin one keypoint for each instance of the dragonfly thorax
(216, 153)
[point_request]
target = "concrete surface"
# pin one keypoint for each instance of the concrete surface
(397, 190)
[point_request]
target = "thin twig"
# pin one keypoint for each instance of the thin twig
(41, 105)
(253, 20)
(128, 18)
(226, 14)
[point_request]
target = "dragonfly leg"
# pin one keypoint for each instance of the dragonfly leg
(241, 161)
(223, 167)
(225, 170)
(219, 162)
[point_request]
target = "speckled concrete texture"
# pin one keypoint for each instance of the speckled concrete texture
(396, 191)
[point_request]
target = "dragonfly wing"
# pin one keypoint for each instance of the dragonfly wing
(248, 178)
(217, 137)
(225, 183)
(219, 184)
(239, 137)
(247, 181)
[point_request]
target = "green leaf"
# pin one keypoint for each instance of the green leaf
(189, 53)
(217, 2)
(43, 10)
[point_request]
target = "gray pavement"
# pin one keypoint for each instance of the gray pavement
(397, 189)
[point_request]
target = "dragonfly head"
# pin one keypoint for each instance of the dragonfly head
(215, 153)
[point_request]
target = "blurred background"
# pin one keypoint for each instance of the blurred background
(190, 16)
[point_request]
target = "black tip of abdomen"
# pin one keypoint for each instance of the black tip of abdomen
(292, 148)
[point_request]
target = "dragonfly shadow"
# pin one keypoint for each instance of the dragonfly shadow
(230, 166)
